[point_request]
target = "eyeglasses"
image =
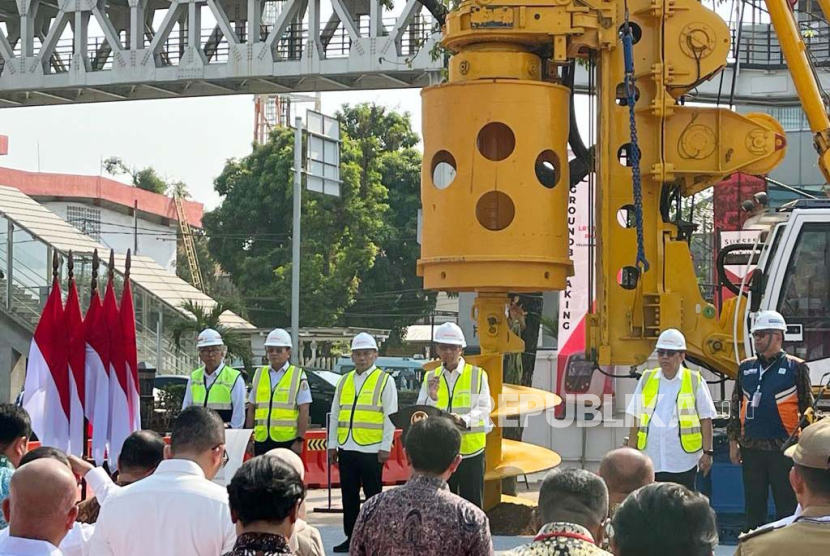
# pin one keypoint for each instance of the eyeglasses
(666, 352)
(225, 457)
(210, 350)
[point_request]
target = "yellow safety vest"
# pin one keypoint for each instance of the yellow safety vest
(276, 412)
(460, 401)
(361, 413)
(691, 437)
(218, 396)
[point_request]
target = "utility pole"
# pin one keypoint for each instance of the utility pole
(135, 227)
(295, 240)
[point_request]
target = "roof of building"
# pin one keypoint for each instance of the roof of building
(49, 228)
(101, 191)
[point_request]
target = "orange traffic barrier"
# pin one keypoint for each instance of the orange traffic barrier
(315, 459)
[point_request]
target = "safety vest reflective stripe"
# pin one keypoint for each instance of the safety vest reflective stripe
(691, 437)
(276, 412)
(460, 402)
(361, 413)
(218, 395)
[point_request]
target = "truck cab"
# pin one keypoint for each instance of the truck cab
(793, 278)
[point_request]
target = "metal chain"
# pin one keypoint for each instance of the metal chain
(628, 52)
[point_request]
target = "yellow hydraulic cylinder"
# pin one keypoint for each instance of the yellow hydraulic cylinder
(495, 185)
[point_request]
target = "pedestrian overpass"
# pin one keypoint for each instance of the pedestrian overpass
(64, 52)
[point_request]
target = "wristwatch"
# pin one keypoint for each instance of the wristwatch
(709, 452)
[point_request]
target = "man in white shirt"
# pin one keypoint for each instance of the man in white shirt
(672, 411)
(463, 391)
(279, 400)
(215, 385)
(40, 509)
(177, 510)
(360, 432)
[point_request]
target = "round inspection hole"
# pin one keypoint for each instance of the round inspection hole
(495, 210)
(496, 141)
(627, 277)
(548, 170)
(624, 155)
(443, 169)
(636, 32)
(626, 216)
(622, 95)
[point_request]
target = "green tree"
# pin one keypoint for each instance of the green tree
(390, 295)
(237, 344)
(145, 178)
(250, 233)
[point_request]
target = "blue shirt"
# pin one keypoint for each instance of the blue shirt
(6, 472)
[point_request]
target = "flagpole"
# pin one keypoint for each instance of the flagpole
(70, 277)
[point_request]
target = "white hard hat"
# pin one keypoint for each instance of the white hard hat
(672, 338)
(450, 333)
(209, 337)
(769, 320)
(364, 341)
(278, 338)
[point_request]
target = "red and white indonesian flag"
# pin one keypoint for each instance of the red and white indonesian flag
(97, 376)
(120, 426)
(127, 314)
(77, 372)
(47, 390)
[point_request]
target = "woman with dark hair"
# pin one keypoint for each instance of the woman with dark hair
(265, 497)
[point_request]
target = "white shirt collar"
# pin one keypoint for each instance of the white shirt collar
(676, 376)
(180, 466)
(28, 547)
(365, 373)
(216, 371)
(458, 369)
(283, 368)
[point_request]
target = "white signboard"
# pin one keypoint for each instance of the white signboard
(323, 155)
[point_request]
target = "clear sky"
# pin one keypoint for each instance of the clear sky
(186, 139)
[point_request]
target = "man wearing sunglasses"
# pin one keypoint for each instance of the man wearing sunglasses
(215, 385)
(673, 411)
(772, 391)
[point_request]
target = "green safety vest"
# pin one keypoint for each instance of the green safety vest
(276, 411)
(218, 396)
(691, 437)
(460, 401)
(361, 413)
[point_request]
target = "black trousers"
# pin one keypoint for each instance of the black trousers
(267, 445)
(357, 469)
(686, 478)
(468, 480)
(762, 470)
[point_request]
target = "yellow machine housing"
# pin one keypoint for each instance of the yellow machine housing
(497, 178)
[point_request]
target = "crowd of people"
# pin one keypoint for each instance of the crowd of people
(642, 502)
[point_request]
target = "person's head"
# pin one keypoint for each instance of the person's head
(211, 348)
(278, 348)
(671, 348)
(664, 518)
(768, 333)
(433, 447)
(141, 453)
(810, 474)
(364, 351)
(199, 435)
(265, 496)
(15, 430)
(574, 496)
(42, 452)
(624, 470)
(41, 502)
(449, 343)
